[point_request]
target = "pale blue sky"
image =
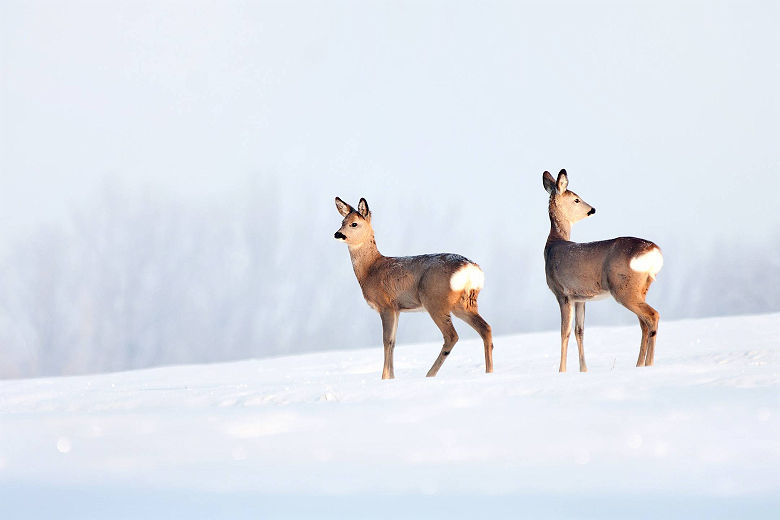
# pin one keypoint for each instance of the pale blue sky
(671, 107)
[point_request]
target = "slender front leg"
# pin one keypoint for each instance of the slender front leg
(389, 326)
(567, 315)
(579, 332)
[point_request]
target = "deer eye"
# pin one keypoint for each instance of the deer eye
(577, 201)
(354, 224)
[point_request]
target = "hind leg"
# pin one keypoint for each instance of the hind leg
(444, 322)
(648, 320)
(640, 362)
(630, 293)
(652, 334)
(483, 329)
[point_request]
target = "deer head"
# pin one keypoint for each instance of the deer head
(356, 227)
(564, 204)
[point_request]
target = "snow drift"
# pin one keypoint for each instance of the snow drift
(321, 434)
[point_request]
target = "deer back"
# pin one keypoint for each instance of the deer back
(407, 283)
(592, 269)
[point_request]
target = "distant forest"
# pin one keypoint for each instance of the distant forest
(138, 279)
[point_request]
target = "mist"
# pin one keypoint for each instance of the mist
(168, 169)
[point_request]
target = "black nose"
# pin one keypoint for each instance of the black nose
(592, 211)
(339, 235)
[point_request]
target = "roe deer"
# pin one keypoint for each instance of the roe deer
(623, 267)
(439, 284)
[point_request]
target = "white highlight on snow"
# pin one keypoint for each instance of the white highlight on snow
(649, 262)
(470, 276)
(63, 445)
(238, 453)
(582, 457)
(661, 449)
(635, 441)
(266, 425)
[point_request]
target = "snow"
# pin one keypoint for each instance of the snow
(320, 435)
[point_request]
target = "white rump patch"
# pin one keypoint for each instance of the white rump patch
(649, 262)
(469, 276)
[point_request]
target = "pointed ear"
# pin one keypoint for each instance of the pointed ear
(344, 208)
(563, 181)
(548, 182)
(363, 209)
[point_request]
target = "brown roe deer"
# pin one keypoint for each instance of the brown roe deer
(576, 273)
(441, 284)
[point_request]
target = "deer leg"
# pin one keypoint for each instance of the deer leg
(566, 318)
(651, 334)
(389, 327)
(483, 329)
(648, 320)
(444, 322)
(640, 362)
(579, 332)
(649, 317)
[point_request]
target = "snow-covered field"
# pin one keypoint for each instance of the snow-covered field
(320, 435)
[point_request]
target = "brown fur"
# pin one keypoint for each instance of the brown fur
(578, 272)
(392, 285)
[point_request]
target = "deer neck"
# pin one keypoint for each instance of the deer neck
(363, 257)
(560, 228)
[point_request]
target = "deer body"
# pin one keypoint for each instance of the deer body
(576, 273)
(440, 284)
(592, 270)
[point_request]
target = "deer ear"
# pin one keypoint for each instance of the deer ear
(344, 208)
(363, 209)
(563, 181)
(548, 182)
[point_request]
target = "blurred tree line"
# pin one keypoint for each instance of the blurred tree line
(137, 279)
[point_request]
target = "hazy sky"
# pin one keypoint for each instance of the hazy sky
(249, 117)
(665, 114)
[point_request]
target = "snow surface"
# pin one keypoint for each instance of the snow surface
(320, 435)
